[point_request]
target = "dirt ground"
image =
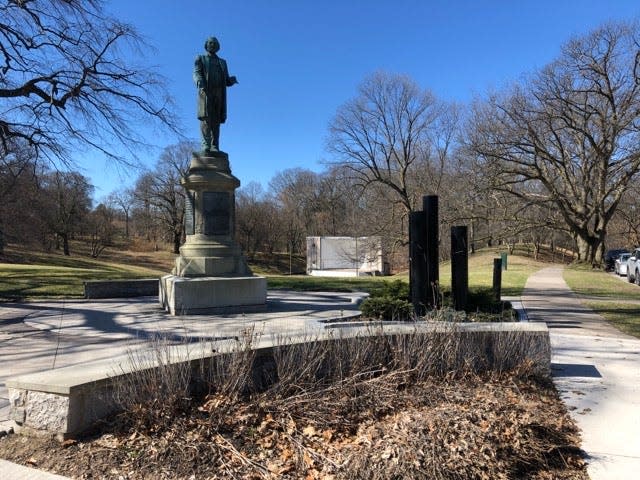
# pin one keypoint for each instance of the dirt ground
(471, 427)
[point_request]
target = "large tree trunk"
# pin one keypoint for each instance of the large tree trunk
(65, 244)
(177, 238)
(590, 249)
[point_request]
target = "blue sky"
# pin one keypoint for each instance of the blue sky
(298, 61)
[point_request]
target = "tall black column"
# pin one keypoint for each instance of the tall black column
(430, 207)
(459, 267)
(497, 279)
(418, 261)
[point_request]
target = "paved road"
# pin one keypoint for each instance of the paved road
(596, 368)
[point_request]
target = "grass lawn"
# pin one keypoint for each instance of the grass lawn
(36, 275)
(624, 316)
(29, 275)
(334, 284)
(596, 283)
(24, 282)
(519, 267)
(614, 295)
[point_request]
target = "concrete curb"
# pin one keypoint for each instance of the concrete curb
(14, 471)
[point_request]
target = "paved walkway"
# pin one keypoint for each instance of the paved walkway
(597, 371)
(12, 471)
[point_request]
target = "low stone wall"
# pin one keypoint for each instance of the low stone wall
(145, 287)
(65, 402)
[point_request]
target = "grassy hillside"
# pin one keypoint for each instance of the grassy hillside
(519, 267)
(27, 274)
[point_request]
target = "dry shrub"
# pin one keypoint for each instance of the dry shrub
(163, 380)
(372, 405)
(156, 385)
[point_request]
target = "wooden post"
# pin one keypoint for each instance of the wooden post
(417, 262)
(430, 207)
(459, 267)
(497, 279)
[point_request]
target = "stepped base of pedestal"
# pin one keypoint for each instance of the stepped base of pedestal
(212, 295)
(202, 257)
(211, 266)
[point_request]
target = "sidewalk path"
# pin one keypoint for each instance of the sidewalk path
(14, 471)
(596, 369)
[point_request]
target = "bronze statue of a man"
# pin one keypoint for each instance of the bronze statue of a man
(212, 79)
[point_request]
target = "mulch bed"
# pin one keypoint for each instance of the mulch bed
(469, 426)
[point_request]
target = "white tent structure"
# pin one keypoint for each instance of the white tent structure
(344, 256)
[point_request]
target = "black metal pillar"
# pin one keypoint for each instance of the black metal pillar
(497, 279)
(430, 207)
(417, 262)
(459, 267)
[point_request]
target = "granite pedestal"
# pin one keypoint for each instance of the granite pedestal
(211, 275)
(213, 295)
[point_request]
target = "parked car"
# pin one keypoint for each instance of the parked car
(610, 257)
(620, 265)
(633, 267)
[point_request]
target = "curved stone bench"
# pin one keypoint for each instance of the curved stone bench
(67, 401)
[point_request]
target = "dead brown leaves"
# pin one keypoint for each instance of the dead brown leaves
(475, 427)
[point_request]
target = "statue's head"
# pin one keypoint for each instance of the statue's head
(212, 45)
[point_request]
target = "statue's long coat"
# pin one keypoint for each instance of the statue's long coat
(211, 73)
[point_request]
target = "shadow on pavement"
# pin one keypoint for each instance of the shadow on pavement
(574, 370)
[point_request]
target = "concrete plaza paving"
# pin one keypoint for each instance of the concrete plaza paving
(43, 335)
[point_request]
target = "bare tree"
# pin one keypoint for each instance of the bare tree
(101, 229)
(17, 171)
(68, 202)
(295, 194)
(624, 230)
(161, 189)
(144, 215)
(438, 165)
(250, 217)
(124, 200)
(336, 202)
(570, 135)
(68, 80)
(383, 134)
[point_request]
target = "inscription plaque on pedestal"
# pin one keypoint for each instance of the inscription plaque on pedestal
(216, 210)
(189, 221)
